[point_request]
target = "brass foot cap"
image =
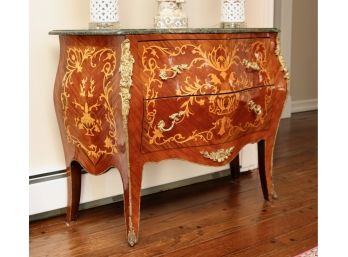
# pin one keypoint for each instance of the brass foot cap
(132, 240)
(274, 195)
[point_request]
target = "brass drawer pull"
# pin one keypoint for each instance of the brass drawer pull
(218, 156)
(174, 117)
(251, 65)
(255, 107)
(175, 70)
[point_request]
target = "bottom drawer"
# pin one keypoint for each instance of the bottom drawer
(204, 120)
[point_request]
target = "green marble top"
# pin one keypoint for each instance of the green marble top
(96, 32)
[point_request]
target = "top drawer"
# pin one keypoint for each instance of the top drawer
(199, 67)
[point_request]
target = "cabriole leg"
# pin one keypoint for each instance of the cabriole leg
(235, 167)
(74, 191)
(265, 158)
(133, 204)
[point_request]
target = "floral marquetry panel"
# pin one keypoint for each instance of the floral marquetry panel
(178, 68)
(204, 120)
(90, 109)
(87, 100)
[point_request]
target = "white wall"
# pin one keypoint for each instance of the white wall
(298, 21)
(46, 152)
(304, 55)
(283, 21)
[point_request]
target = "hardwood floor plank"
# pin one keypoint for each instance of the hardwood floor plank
(263, 230)
(214, 218)
(279, 243)
(201, 227)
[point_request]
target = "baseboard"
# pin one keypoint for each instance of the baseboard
(304, 105)
(147, 191)
(287, 108)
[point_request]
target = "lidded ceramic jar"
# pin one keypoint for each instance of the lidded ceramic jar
(170, 14)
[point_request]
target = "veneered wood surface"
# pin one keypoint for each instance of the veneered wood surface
(89, 110)
(135, 119)
(205, 120)
(80, 86)
(215, 218)
(215, 63)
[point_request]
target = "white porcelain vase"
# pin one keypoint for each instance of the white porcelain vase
(233, 13)
(170, 14)
(104, 14)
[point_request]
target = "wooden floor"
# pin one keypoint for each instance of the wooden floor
(214, 218)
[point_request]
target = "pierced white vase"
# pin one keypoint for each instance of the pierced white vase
(104, 14)
(232, 13)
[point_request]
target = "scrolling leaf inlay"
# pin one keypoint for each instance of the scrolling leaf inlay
(221, 106)
(85, 104)
(221, 61)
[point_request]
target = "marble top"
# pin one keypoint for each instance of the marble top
(97, 32)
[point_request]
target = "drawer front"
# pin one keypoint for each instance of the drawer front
(177, 122)
(199, 67)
